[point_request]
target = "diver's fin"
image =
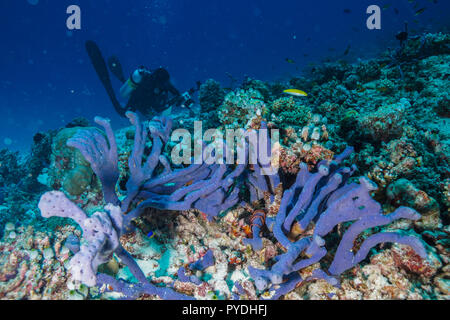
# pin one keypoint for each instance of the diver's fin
(102, 71)
(116, 68)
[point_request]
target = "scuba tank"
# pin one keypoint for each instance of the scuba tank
(133, 81)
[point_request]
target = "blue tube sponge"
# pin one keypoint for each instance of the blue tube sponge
(206, 187)
(318, 202)
(204, 262)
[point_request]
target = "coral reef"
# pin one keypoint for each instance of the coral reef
(33, 264)
(289, 111)
(242, 109)
(211, 97)
(69, 168)
(385, 123)
(124, 222)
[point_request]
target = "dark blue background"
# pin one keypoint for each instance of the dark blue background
(47, 80)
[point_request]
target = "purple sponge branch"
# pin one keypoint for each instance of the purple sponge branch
(203, 187)
(305, 197)
(204, 262)
(132, 291)
(100, 241)
(208, 188)
(291, 282)
(101, 238)
(184, 278)
(325, 199)
(346, 259)
(139, 173)
(101, 154)
(263, 178)
(201, 264)
(352, 205)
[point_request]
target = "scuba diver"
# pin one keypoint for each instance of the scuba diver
(147, 90)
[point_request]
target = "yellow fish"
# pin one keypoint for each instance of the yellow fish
(296, 92)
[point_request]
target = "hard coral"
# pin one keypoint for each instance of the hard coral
(242, 109)
(403, 192)
(387, 122)
(286, 111)
(69, 169)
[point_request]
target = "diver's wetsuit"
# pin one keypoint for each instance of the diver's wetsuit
(152, 94)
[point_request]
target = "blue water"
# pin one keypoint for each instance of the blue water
(47, 79)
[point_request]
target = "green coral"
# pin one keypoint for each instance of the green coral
(240, 108)
(77, 180)
(259, 86)
(211, 96)
(289, 110)
(387, 122)
(69, 168)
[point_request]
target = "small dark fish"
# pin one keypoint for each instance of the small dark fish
(257, 98)
(361, 90)
(347, 50)
(331, 49)
(290, 61)
(402, 36)
(386, 7)
(420, 11)
(347, 11)
(2, 195)
(396, 11)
